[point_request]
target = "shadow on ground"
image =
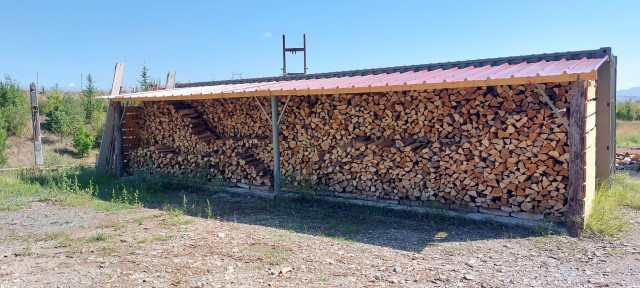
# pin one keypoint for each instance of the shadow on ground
(402, 230)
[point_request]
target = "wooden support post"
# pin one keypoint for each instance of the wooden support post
(35, 118)
(105, 158)
(118, 163)
(606, 120)
(576, 192)
(276, 145)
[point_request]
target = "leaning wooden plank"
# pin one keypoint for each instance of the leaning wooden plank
(107, 135)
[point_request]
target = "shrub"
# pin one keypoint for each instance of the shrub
(628, 111)
(4, 142)
(14, 107)
(66, 118)
(59, 123)
(83, 141)
(52, 102)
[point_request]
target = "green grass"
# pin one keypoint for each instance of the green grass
(267, 251)
(628, 141)
(607, 217)
(98, 237)
(63, 238)
(162, 237)
(15, 194)
(627, 133)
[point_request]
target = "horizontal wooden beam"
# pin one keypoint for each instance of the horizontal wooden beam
(369, 89)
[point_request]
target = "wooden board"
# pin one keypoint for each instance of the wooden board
(131, 141)
(590, 138)
(575, 192)
(129, 125)
(131, 117)
(590, 122)
(591, 108)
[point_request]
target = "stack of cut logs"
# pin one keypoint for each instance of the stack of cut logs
(495, 147)
(628, 160)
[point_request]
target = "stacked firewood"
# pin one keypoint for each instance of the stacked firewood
(628, 161)
(495, 147)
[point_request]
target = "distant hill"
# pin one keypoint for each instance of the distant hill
(631, 94)
(635, 91)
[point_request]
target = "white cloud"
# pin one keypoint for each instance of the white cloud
(268, 34)
(72, 84)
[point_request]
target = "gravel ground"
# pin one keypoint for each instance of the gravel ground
(248, 245)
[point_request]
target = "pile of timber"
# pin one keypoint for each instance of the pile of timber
(494, 147)
(628, 161)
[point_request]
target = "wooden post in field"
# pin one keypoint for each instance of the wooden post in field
(171, 81)
(35, 121)
(106, 159)
(576, 189)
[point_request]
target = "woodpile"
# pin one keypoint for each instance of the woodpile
(628, 161)
(493, 147)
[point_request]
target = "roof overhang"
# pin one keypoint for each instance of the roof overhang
(489, 75)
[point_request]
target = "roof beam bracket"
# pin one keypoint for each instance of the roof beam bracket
(284, 109)
(262, 108)
(553, 107)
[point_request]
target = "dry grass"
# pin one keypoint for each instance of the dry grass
(56, 150)
(627, 133)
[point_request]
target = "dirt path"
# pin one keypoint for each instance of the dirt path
(251, 244)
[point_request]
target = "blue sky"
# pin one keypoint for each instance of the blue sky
(204, 40)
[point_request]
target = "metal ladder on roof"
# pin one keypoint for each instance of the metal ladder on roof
(293, 51)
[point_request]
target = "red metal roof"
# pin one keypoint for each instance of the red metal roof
(487, 75)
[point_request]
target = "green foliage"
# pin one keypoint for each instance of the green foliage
(628, 141)
(628, 111)
(607, 218)
(66, 118)
(4, 142)
(144, 78)
(83, 141)
(59, 122)
(91, 104)
(52, 102)
(98, 117)
(14, 107)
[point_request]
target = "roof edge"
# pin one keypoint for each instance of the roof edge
(346, 90)
(569, 55)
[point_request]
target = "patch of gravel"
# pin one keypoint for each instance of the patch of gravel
(144, 248)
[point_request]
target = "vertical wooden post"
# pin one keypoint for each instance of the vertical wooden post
(105, 158)
(118, 156)
(606, 122)
(576, 193)
(35, 121)
(276, 145)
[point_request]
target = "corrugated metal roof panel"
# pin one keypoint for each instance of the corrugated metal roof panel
(524, 72)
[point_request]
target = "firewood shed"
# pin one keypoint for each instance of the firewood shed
(525, 136)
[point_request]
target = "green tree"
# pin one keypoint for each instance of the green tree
(89, 98)
(67, 117)
(53, 101)
(144, 78)
(58, 122)
(83, 141)
(14, 107)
